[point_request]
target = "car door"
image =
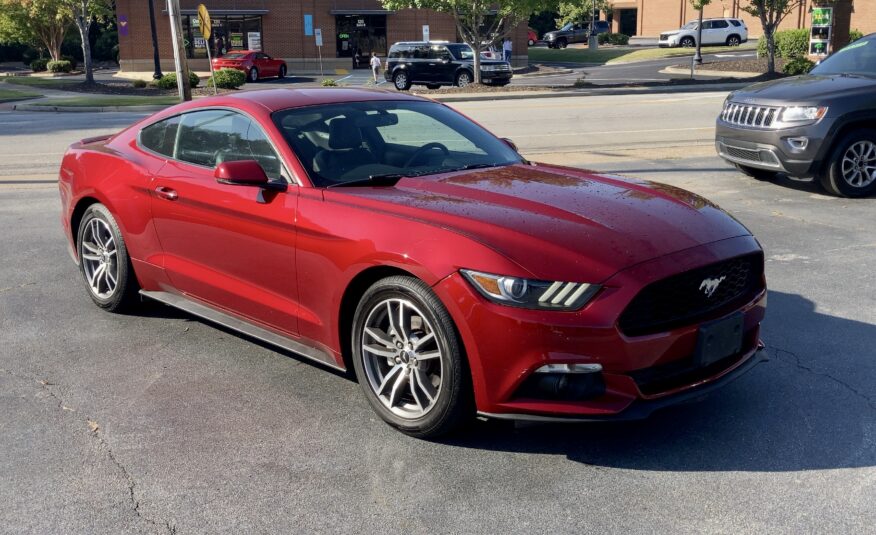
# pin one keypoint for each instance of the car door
(419, 66)
(721, 31)
(232, 246)
(442, 64)
(580, 33)
(265, 64)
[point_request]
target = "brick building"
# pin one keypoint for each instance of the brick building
(650, 17)
(284, 29)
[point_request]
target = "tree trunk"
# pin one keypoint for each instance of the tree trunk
(771, 51)
(83, 22)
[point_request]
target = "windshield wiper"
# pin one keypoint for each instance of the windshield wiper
(474, 166)
(386, 179)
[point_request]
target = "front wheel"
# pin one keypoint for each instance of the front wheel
(253, 75)
(530, 42)
(851, 170)
(562, 43)
(733, 40)
(104, 262)
(401, 81)
(688, 42)
(282, 72)
(408, 358)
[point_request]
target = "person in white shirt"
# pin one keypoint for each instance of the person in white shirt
(375, 65)
(506, 48)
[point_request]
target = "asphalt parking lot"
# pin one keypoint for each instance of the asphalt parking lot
(156, 422)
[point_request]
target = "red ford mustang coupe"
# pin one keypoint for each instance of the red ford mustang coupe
(392, 235)
(254, 64)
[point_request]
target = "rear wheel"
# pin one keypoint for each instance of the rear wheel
(253, 75)
(758, 174)
(733, 40)
(408, 358)
(463, 79)
(401, 81)
(688, 42)
(282, 72)
(530, 42)
(104, 262)
(851, 171)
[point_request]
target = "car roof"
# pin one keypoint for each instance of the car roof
(426, 43)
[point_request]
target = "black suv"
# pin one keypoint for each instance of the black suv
(434, 64)
(820, 125)
(574, 33)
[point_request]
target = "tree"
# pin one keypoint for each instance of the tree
(40, 23)
(580, 11)
(699, 5)
(479, 22)
(83, 13)
(771, 13)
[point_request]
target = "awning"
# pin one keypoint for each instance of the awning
(361, 12)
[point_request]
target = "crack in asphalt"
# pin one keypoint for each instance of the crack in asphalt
(797, 362)
(94, 431)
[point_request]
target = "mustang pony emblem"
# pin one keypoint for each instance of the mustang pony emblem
(710, 285)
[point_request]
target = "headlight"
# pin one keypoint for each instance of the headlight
(798, 114)
(488, 68)
(529, 293)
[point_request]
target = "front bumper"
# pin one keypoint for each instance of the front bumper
(506, 345)
(771, 149)
(496, 76)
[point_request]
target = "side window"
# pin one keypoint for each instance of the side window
(735, 22)
(421, 52)
(720, 24)
(160, 137)
(708, 25)
(211, 137)
(393, 53)
(440, 52)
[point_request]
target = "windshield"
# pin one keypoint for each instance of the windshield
(461, 52)
(362, 141)
(857, 58)
(234, 55)
(566, 27)
(690, 26)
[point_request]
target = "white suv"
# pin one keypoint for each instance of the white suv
(730, 32)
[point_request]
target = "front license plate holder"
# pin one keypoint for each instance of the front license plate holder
(719, 339)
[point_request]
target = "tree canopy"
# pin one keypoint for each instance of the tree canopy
(40, 23)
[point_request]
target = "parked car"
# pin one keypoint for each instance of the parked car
(574, 33)
(435, 63)
(388, 234)
(255, 64)
(723, 31)
(531, 37)
(820, 125)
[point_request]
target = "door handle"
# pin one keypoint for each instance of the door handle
(166, 193)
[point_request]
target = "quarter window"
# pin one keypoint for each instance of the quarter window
(160, 137)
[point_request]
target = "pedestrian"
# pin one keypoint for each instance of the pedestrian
(506, 48)
(375, 65)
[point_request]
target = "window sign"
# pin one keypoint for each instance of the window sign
(822, 27)
(255, 40)
(236, 40)
(360, 23)
(308, 24)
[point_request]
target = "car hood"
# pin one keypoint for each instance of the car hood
(558, 222)
(671, 32)
(807, 89)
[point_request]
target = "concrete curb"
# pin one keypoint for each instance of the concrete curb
(88, 109)
(551, 73)
(563, 93)
(706, 72)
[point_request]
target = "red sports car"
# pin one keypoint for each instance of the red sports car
(389, 234)
(255, 64)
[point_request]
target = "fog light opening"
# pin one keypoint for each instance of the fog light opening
(797, 144)
(570, 368)
(564, 382)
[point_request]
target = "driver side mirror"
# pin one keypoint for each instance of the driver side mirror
(245, 173)
(510, 144)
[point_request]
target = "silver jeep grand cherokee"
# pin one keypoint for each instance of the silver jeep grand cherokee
(820, 125)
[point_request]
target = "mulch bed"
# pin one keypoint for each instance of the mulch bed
(125, 88)
(742, 65)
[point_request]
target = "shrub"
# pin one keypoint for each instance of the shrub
(328, 82)
(28, 55)
(227, 79)
(789, 44)
(39, 64)
(854, 35)
(618, 39)
(798, 66)
(602, 38)
(62, 65)
(139, 84)
(168, 81)
(73, 62)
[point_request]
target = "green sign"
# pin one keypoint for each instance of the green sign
(822, 16)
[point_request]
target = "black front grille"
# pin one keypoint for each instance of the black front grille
(664, 36)
(685, 298)
(743, 154)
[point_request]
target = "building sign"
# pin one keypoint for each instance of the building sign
(255, 40)
(318, 33)
(204, 21)
(360, 23)
(236, 40)
(822, 26)
(425, 32)
(123, 25)
(308, 24)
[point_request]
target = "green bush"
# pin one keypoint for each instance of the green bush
(789, 44)
(602, 38)
(854, 35)
(39, 64)
(61, 65)
(227, 79)
(139, 84)
(73, 62)
(168, 81)
(798, 66)
(328, 82)
(618, 39)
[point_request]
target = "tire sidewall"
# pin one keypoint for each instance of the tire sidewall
(406, 85)
(833, 180)
(253, 75)
(454, 379)
(282, 72)
(126, 281)
(459, 77)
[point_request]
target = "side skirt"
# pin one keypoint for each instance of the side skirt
(242, 326)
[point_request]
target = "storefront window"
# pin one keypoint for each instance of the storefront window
(233, 32)
(359, 35)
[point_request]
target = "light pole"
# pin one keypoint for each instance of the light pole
(698, 58)
(155, 56)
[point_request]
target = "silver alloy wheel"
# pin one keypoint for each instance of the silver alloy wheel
(687, 42)
(254, 74)
(401, 81)
(733, 41)
(99, 258)
(859, 164)
(402, 358)
(463, 79)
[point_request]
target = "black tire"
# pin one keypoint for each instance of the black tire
(757, 174)
(282, 72)
(433, 86)
(734, 40)
(125, 294)
(688, 42)
(453, 402)
(562, 43)
(253, 75)
(463, 78)
(401, 81)
(833, 178)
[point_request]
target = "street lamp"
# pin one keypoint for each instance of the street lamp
(155, 56)
(698, 58)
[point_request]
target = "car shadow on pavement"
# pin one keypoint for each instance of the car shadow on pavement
(811, 406)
